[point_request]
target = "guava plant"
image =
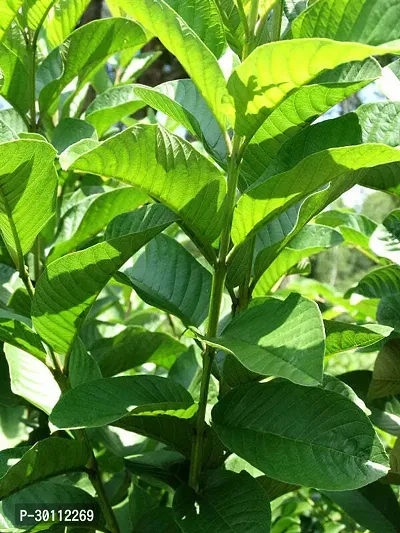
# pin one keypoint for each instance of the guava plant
(154, 365)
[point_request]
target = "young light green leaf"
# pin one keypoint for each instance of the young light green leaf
(183, 290)
(180, 100)
(87, 218)
(374, 507)
(83, 52)
(103, 401)
(135, 346)
(299, 109)
(47, 458)
(31, 379)
(273, 70)
(110, 107)
(279, 338)
(313, 239)
(386, 375)
(8, 11)
(350, 20)
(229, 501)
(17, 82)
(35, 11)
(198, 61)
(163, 166)
(28, 184)
(15, 330)
(70, 285)
(273, 196)
(342, 336)
(62, 20)
(301, 435)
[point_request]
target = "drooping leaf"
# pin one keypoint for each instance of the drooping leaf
(163, 166)
(49, 457)
(110, 107)
(386, 375)
(135, 346)
(102, 401)
(91, 215)
(70, 285)
(62, 20)
(299, 109)
(374, 507)
(301, 435)
(28, 183)
(275, 195)
(180, 100)
(350, 20)
(229, 501)
(279, 338)
(83, 52)
(273, 70)
(313, 239)
(183, 289)
(31, 379)
(342, 336)
(198, 61)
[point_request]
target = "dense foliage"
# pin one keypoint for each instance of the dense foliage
(167, 358)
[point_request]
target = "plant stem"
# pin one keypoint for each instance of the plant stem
(214, 312)
(32, 59)
(277, 20)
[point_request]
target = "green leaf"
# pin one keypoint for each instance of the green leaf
(88, 217)
(356, 229)
(13, 120)
(28, 184)
(159, 520)
(15, 330)
(6, 133)
(311, 240)
(162, 465)
(229, 501)
(175, 34)
(45, 494)
(35, 12)
(180, 100)
(386, 375)
(110, 107)
(31, 379)
(302, 435)
(273, 70)
(203, 17)
(299, 109)
(135, 346)
(69, 286)
(342, 336)
(385, 241)
(64, 17)
(163, 166)
(17, 83)
(378, 283)
(83, 53)
(49, 457)
(281, 344)
(103, 401)
(8, 11)
(69, 131)
(374, 507)
(183, 289)
(350, 20)
(234, 30)
(82, 366)
(273, 196)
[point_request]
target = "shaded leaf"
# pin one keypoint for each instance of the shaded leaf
(69, 131)
(15, 330)
(158, 520)
(269, 425)
(386, 375)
